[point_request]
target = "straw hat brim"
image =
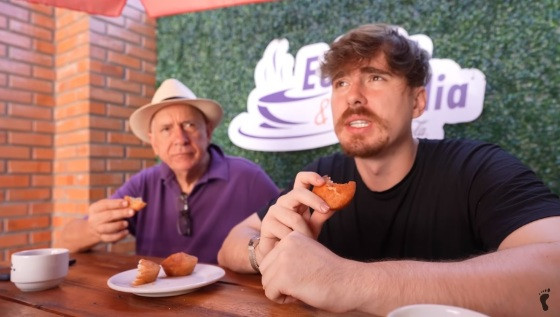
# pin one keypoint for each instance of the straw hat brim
(141, 118)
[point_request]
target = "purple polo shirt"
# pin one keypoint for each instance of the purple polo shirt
(231, 189)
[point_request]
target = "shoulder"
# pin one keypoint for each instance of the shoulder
(457, 146)
(480, 167)
(149, 173)
(149, 176)
(245, 176)
(242, 163)
(144, 179)
(244, 170)
(234, 163)
(462, 151)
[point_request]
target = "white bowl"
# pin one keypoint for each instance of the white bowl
(432, 310)
(39, 269)
(38, 286)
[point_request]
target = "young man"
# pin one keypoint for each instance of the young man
(194, 196)
(432, 221)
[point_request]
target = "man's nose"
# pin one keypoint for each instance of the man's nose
(180, 136)
(355, 95)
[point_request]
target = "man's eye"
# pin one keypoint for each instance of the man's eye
(340, 83)
(188, 126)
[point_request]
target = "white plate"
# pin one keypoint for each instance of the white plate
(203, 274)
(432, 310)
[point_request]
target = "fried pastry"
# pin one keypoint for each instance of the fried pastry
(337, 196)
(147, 272)
(135, 203)
(179, 264)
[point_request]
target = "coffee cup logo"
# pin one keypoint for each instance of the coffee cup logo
(290, 109)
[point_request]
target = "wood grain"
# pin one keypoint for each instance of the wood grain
(84, 292)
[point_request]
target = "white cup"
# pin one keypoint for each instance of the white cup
(39, 269)
(431, 310)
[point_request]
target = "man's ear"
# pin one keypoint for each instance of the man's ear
(420, 100)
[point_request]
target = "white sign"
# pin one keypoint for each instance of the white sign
(290, 110)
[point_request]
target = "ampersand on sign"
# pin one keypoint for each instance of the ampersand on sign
(321, 117)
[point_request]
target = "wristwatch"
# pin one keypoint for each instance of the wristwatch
(252, 257)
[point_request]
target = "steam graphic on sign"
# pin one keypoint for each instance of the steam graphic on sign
(289, 109)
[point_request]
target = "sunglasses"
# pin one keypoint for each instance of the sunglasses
(184, 222)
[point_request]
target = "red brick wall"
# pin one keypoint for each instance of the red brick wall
(68, 82)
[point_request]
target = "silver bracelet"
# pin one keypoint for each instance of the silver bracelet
(252, 257)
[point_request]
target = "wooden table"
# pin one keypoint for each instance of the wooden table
(84, 292)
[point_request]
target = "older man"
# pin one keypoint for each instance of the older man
(432, 221)
(194, 196)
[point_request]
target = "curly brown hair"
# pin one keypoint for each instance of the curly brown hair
(404, 57)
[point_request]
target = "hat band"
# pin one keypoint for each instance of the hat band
(171, 98)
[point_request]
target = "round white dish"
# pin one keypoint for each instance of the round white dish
(432, 310)
(39, 269)
(203, 274)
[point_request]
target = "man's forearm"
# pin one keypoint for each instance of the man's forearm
(76, 236)
(504, 283)
(234, 253)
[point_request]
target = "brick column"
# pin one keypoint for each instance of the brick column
(105, 70)
(68, 82)
(26, 125)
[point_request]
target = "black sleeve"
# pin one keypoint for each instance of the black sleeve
(506, 195)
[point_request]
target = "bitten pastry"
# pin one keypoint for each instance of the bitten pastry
(337, 196)
(147, 272)
(179, 264)
(135, 203)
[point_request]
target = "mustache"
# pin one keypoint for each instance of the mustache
(361, 111)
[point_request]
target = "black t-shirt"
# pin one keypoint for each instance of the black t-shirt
(461, 198)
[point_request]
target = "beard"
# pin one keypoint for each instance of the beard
(359, 147)
(363, 146)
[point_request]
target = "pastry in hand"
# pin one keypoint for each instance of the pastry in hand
(135, 203)
(179, 264)
(147, 272)
(337, 196)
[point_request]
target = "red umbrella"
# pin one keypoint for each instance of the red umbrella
(154, 8)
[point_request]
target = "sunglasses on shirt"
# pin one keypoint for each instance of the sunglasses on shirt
(184, 221)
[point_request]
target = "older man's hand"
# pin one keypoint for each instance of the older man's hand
(107, 219)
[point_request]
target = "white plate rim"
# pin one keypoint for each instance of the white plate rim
(436, 308)
(203, 274)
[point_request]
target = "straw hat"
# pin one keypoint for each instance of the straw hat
(172, 92)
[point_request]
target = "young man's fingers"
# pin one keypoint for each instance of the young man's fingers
(307, 179)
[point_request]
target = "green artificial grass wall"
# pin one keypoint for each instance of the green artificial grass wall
(516, 44)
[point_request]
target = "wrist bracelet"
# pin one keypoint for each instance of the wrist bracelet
(252, 257)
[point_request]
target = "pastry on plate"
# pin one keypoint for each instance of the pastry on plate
(147, 272)
(179, 264)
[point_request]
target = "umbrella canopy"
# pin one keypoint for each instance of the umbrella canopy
(154, 8)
